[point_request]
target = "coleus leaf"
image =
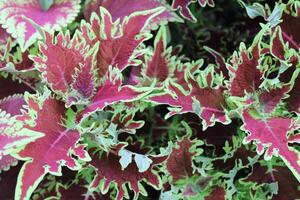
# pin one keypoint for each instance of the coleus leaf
(273, 134)
(122, 8)
(49, 153)
(270, 99)
(183, 6)
(157, 66)
(77, 190)
(218, 193)
(220, 61)
(3, 36)
(118, 41)
(179, 163)
(67, 66)
(277, 44)
(109, 169)
(207, 102)
(13, 135)
(293, 102)
(111, 91)
(6, 162)
(126, 123)
(18, 17)
(12, 104)
(245, 77)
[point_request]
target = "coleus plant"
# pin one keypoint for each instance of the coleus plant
(97, 102)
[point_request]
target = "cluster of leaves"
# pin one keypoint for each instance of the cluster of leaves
(95, 103)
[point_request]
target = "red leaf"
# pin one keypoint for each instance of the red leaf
(279, 174)
(118, 41)
(111, 91)
(272, 134)
(293, 102)
(6, 162)
(290, 30)
(3, 36)
(13, 135)
(179, 163)
(270, 99)
(218, 193)
(109, 169)
(247, 77)
(158, 65)
(122, 8)
(17, 18)
(67, 65)
(49, 153)
(185, 12)
(277, 44)
(12, 104)
(219, 59)
(126, 123)
(59, 60)
(78, 191)
(205, 102)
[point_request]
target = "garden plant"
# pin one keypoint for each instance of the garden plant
(149, 99)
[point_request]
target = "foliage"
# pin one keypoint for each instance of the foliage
(148, 99)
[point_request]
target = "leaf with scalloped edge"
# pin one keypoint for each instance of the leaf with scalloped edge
(13, 135)
(17, 17)
(6, 162)
(67, 66)
(12, 104)
(122, 8)
(109, 172)
(158, 65)
(3, 36)
(179, 163)
(183, 6)
(277, 44)
(245, 77)
(126, 123)
(293, 102)
(118, 40)
(110, 92)
(48, 154)
(271, 98)
(207, 102)
(273, 134)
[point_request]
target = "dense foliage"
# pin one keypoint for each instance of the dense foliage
(149, 99)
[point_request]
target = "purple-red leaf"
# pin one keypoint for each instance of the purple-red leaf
(277, 44)
(183, 6)
(118, 41)
(157, 67)
(205, 102)
(270, 99)
(247, 77)
(67, 65)
(13, 135)
(49, 153)
(59, 59)
(111, 91)
(6, 162)
(12, 104)
(272, 134)
(179, 163)
(109, 169)
(18, 17)
(122, 8)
